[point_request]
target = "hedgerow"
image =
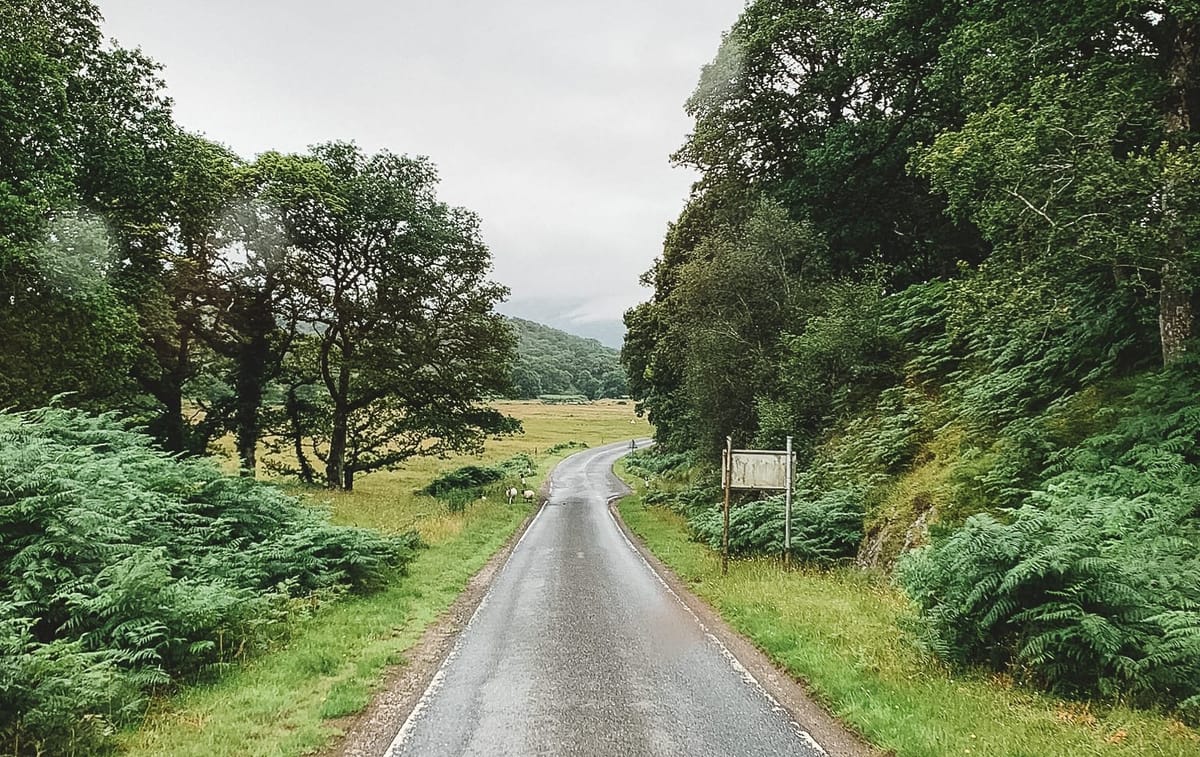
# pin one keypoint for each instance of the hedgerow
(124, 569)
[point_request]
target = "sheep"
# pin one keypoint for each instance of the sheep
(529, 494)
(511, 493)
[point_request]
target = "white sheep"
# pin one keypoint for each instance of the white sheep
(529, 494)
(511, 493)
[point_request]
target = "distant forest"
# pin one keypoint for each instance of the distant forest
(550, 361)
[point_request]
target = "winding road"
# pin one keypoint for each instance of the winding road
(580, 648)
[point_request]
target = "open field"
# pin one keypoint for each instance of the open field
(843, 633)
(289, 701)
(388, 500)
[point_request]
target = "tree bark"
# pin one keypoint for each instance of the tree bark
(335, 467)
(292, 405)
(337, 448)
(1176, 321)
(170, 427)
(249, 382)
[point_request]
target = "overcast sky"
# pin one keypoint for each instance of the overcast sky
(552, 119)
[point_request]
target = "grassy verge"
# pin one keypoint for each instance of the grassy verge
(289, 701)
(843, 633)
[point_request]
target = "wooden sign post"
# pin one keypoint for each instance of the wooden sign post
(758, 469)
(728, 468)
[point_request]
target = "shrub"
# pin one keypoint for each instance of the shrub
(651, 462)
(466, 477)
(1093, 584)
(564, 446)
(463, 484)
(563, 399)
(520, 464)
(826, 527)
(126, 568)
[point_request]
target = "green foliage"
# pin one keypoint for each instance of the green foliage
(826, 527)
(552, 362)
(474, 477)
(125, 569)
(146, 269)
(846, 633)
(843, 357)
(945, 248)
(466, 477)
(405, 342)
(565, 446)
(563, 399)
(1091, 584)
(652, 461)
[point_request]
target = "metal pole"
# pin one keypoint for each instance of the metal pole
(728, 466)
(787, 508)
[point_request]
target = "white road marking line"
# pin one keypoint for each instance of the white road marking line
(439, 678)
(732, 660)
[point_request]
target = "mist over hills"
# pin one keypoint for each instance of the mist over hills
(566, 315)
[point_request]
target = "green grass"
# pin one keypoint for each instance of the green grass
(843, 632)
(288, 702)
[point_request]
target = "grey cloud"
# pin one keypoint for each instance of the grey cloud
(553, 120)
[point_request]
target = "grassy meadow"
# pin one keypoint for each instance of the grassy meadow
(289, 701)
(843, 632)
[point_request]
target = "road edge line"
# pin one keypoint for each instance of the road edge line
(826, 732)
(403, 691)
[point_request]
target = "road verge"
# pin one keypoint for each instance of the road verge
(790, 694)
(368, 734)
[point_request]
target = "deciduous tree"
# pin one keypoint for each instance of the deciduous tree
(406, 342)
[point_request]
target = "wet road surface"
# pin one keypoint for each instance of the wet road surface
(580, 649)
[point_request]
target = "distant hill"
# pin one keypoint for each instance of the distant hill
(550, 361)
(561, 312)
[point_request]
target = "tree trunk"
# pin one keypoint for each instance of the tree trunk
(339, 392)
(292, 406)
(1175, 318)
(348, 480)
(1176, 322)
(170, 428)
(335, 465)
(249, 399)
(249, 381)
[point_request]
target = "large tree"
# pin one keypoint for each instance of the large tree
(812, 110)
(1081, 152)
(816, 105)
(83, 133)
(404, 342)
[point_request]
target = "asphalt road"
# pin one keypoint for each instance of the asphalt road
(579, 648)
